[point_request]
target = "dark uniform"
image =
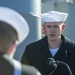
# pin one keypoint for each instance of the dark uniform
(37, 53)
(7, 67)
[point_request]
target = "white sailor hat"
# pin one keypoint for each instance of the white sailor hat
(54, 16)
(14, 19)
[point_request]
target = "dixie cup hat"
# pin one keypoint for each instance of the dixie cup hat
(54, 16)
(14, 19)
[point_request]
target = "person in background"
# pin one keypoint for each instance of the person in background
(54, 45)
(13, 30)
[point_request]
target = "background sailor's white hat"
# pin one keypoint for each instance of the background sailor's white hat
(54, 16)
(14, 19)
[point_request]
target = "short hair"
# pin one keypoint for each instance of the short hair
(8, 35)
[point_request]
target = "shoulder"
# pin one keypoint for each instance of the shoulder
(37, 43)
(25, 69)
(69, 42)
(30, 70)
